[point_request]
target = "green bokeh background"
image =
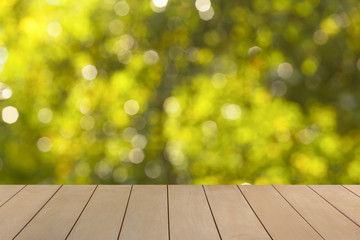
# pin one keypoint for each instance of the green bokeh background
(264, 92)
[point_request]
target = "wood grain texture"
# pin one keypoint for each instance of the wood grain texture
(279, 218)
(7, 191)
(103, 215)
(342, 199)
(58, 216)
(353, 188)
(233, 215)
(328, 221)
(180, 212)
(16, 213)
(146, 216)
(189, 214)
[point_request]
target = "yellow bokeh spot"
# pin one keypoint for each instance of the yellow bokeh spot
(309, 66)
(353, 170)
(264, 37)
(329, 26)
(324, 117)
(31, 26)
(205, 56)
(306, 165)
(262, 6)
(281, 5)
(303, 8)
(329, 145)
(262, 181)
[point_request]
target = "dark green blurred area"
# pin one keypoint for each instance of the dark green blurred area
(106, 91)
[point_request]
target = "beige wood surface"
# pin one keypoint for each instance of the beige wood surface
(353, 188)
(7, 191)
(146, 216)
(175, 212)
(342, 199)
(278, 217)
(328, 221)
(107, 205)
(233, 215)
(189, 214)
(17, 212)
(58, 216)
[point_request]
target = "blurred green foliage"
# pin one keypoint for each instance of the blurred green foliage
(106, 91)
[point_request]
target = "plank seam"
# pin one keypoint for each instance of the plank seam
(126, 208)
(212, 214)
(168, 209)
(37, 212)
(297, 212)
(349, 190)
(254, 212)
(333, 206)
(12, 196)
(81, 212)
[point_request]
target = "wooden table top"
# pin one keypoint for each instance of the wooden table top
(155, 212)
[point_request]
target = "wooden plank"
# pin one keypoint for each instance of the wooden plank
(146, 216)
(16, 213)
(189, 214)
(103, 215)
(328, 221)
(233, 215)
(353, 188)
(7, 191)
(278, 217)
(58, 216)
(342, 199)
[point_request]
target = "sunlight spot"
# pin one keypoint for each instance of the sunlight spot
(231, 111)
(5, 91)
(278, 88)
(82, 169)
(202, 5)
(103, 169)
(218, 80)
(4, 55)
(209, 128)
(44, 144)
(136, 156)
(174, 153)
(89, 72)
(285, 70)
(109, 128)
(84, 105)
(172, 106)
(254, 50)
(342, 20)
(152, 170)
(120, 174)
(128, 133)
(116, 26)
(10, 114)
(320, 37)
(207, 15)
(122, 8)
(160, 3)
(151, 57)
(139, 141)
(54, 29)
(131, 107)
(358, 64)
(45, 115)
(53, 2)
(87, 122)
